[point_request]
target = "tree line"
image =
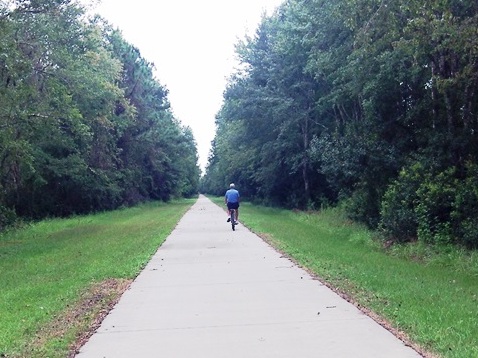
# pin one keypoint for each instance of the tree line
(370, 104)
(84, 123)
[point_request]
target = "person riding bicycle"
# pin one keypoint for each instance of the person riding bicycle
(232, 199)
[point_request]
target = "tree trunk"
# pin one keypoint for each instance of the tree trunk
(305, 160)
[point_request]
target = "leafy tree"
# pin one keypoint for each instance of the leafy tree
(84, 124)
(371, 102)
(270, 106)
(157, 153)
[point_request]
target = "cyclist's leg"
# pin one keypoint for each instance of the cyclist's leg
(236, 207)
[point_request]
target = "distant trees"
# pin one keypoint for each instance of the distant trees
(371, 103)
(84, 125)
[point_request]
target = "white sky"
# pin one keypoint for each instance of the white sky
(191, 43)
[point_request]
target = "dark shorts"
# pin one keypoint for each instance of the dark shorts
(232, 206)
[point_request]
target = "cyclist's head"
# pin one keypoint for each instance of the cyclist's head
(231, 185)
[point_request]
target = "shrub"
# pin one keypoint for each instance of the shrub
(433, 206)
(7, 217)
(364, 205)
(397, 214)
(464, 213)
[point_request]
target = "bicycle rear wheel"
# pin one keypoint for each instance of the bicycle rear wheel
(233, 219)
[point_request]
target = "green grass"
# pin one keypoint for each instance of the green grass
(46, 267)
(428, 293)
(431, 295)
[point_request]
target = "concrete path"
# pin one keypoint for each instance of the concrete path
(211, 292)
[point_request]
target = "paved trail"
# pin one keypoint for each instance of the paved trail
(211, 292)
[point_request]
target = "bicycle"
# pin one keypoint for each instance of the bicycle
(233, 219)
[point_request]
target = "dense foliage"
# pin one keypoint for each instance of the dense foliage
(84, 125)
(373, 103)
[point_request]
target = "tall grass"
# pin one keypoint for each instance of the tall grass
(429, 294)
(46, 267)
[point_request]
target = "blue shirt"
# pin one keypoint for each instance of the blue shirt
(232, 196)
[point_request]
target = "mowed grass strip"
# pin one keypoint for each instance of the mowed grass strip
(431, 297)
(47, 268)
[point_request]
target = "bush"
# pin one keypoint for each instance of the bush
(7, 217)
(398, 220)
(364, 205)
(465, 208)
(436, 207)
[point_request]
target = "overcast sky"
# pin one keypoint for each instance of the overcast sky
(191, 44)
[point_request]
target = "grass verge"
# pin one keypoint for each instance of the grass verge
(427, 296)
(59, 277)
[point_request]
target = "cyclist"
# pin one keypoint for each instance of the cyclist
(231, 199)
